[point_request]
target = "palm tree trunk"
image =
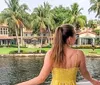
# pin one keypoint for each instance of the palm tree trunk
(17, 40)
(99, 37)
(75, 22)
(41, 35)
(50, 35)
(99, 33)
(21, 36)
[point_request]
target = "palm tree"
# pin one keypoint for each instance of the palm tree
(42, 19)
(49, 16)
(39, 22)
(95, 6)
(75, 17)
(14, 17)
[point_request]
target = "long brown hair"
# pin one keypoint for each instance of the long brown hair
(62, 33)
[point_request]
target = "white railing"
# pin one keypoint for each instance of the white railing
(84, 83)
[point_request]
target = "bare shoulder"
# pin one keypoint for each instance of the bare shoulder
(47, 59)
(80, 54)
(49, 52)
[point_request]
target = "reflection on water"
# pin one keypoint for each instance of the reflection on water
(17, 69)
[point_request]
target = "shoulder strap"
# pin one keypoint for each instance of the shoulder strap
(76, 59)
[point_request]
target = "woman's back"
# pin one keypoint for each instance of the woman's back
(66, 74)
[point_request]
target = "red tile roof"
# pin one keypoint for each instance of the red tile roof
(87, 32)
(5, 37)
(3, 26)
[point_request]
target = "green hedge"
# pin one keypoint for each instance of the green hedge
(15, 46)
(24, 52)
(16, 51)
(87, 47)
(38, 51)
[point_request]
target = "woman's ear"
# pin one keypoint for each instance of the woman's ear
(69, 39)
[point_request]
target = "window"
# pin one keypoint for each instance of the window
(4, 32)
(1, 31)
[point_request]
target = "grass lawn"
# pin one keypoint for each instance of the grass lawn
(87, 51)
(5, 50)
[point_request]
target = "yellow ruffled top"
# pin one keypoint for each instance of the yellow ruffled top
(61, 76)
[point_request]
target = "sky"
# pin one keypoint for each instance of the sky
(85, 4)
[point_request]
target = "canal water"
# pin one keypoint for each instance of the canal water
(17, 69)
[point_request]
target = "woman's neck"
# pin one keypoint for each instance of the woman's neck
(67, 46)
